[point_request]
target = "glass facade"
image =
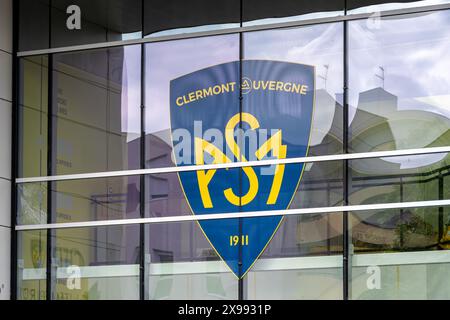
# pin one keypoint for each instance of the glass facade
(112, 133)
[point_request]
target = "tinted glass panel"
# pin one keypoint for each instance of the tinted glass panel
(45, 26)
(399, 179)
(266, 11)
(34, 24)
(178, 254)
(96, 110)
(401, 276)
(101, 21)
(33, 116)
(96, 263)
(80, 200)
(173, 194)
(164, 17)
(31, 265)
(320, 185)
(399, 84)
(182, 264)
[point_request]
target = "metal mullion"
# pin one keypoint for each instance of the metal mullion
(14, 152)
(142, 246)
(50, 161)
(346, 174)
(241, 97)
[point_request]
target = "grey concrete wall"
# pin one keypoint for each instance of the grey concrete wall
(6, 48)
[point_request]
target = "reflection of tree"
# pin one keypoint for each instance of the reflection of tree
(32, 203)
(413, 232)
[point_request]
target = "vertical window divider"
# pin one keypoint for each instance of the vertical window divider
(15, 151)
(241, 58)
(345, 223)
(142, 269)
(50, 154)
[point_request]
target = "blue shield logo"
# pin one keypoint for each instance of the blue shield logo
(211, 124)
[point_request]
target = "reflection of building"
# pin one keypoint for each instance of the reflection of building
(379, 124)
(79, 110)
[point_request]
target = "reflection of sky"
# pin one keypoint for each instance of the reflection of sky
(131, 92)
(166, 61)
(318, 45)
(413, 51)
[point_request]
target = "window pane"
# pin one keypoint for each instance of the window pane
(397, 244)
(96, 199)
(34, 24)
(178, 194)
(182, 264)
(80, 200)
(399, 179)
(101, 21)
(96, 263)
(256, 12)
(96, 110)
(31, 265)
(320, 185)
(399, 84)
(302, 261)
(401, 276)
(33, 116)
(175, 72)
(165, 17)
(283, 67)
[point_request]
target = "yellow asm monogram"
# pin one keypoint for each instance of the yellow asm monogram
(273, 144)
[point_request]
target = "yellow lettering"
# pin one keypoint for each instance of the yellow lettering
(225, 88)
(271, 85)
(296, 88)
(304, 89)
(249, 172)
(287, 86)
(180, 101)
(279, 86)
(207, 92)
(191, 96)
(204, 178)
(216, 90)
(279, 150)
(198, 94)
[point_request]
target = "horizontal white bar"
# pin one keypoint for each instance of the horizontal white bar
(233, 215)
(124, 270)
(231, 165)
(401, 258)
(270, 264)
(236, 30)
(32, 274)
